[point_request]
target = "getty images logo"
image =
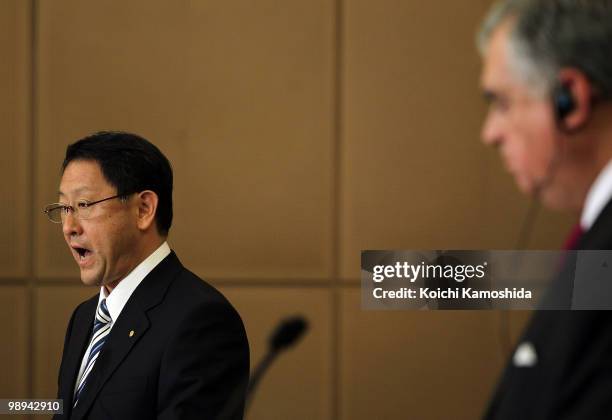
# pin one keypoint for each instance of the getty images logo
(426, 270)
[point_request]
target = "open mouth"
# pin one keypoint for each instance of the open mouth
(82, 253)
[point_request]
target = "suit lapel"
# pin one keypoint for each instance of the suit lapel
(133, 317)
(599, 236)
(80, 335)
(117, 346)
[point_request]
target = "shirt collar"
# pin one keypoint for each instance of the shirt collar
(598, 196)
(116, 300)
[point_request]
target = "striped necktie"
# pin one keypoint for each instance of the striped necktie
(102, 326)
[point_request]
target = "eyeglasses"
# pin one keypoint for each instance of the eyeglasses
(57, 212)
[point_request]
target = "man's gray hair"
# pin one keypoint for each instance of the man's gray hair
(548, 35)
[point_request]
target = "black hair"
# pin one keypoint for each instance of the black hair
(129, 163)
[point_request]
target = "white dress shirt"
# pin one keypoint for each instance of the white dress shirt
(598, 196)
(116, 300)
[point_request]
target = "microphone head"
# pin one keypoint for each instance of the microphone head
(287, 333)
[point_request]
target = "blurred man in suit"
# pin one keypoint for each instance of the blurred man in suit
(155, 342)
(547, 73)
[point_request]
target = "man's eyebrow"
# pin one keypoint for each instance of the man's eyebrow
(78, 190)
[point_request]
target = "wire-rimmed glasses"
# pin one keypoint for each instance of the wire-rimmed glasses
(57, 212)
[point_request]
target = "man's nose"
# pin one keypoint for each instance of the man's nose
(491, 133)
(71, 225)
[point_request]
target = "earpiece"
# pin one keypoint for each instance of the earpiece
(563, 102)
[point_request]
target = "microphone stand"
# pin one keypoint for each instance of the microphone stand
(284, 336)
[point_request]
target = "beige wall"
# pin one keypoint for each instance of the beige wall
(300, 133)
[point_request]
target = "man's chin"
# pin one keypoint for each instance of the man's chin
(89, 280)
(526, 188)
(538, 191)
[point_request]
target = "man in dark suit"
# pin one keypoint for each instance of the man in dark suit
(156, 342)
(547, 72)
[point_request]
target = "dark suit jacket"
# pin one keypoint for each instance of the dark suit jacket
(572, 378)
(187, 357)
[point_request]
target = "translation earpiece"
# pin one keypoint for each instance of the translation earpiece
(563, 102)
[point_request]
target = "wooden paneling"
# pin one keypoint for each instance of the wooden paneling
(238, 94)
(14, 119)
(299, 384)
(14, 349)
(414, 173)
(416, 364)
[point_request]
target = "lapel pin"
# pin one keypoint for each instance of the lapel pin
(525, 355)
(132, 333)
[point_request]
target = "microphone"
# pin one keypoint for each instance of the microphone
(285, 335)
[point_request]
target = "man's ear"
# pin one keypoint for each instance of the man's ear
(147, 209)
(579, 87)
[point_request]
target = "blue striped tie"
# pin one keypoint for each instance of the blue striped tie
(101, 328)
